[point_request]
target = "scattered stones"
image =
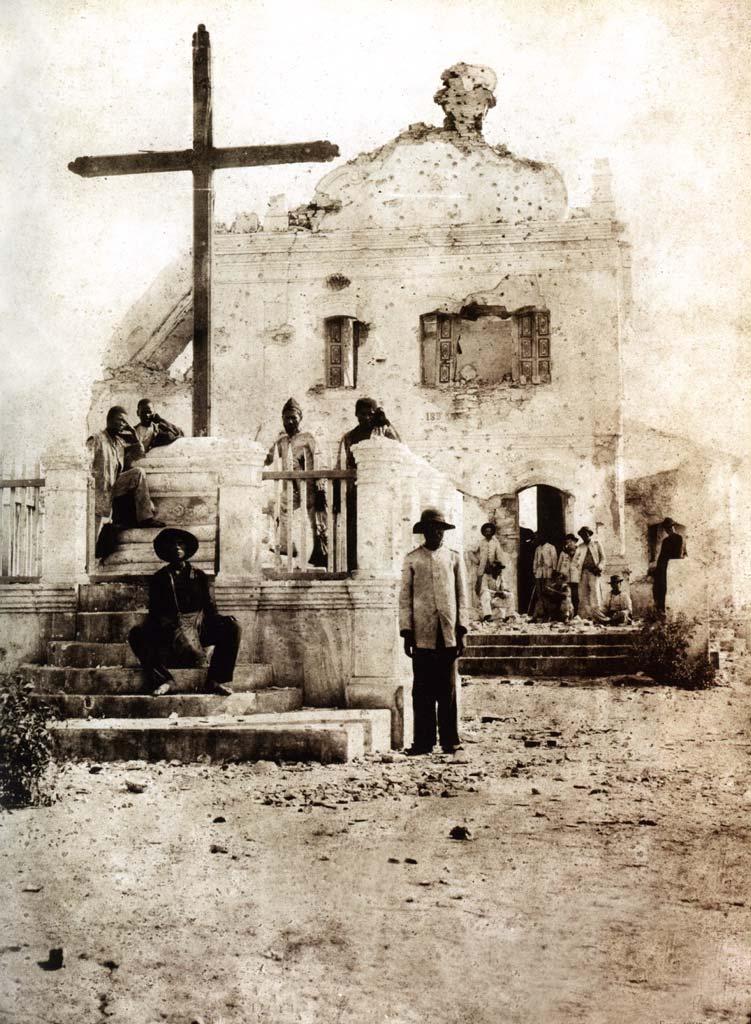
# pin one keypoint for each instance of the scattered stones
(32, 887)
(393, 860)
(219, 820)
(95, 769)
(460, 833)
(135, 787)
(54, 961)
(410, 860)
(216, 848)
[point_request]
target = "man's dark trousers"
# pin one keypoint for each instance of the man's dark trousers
(222, 632)
(434, 683)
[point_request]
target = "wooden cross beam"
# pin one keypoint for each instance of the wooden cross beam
(203, 159)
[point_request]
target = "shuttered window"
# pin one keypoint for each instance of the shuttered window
(534, 348)
(342, 339)
(438, 348)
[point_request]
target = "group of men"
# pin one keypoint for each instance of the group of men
(182, 617)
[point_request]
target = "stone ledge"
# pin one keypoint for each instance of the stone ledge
(23, 598)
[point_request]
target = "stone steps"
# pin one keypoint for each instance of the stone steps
(537, 665)
(296, 736)
(274, 699)
(126, 680)
(626, 636)
(113, 597)
(107, 627)
(85, 654)
(551, 650)
(582, 652)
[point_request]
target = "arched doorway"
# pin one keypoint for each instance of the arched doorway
(542, 516)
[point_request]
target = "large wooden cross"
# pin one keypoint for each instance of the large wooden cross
(203, 159)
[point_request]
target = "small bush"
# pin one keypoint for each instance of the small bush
(25, 745)
(663, 652)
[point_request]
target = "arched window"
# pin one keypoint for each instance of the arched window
(342, 340)
(486, 344)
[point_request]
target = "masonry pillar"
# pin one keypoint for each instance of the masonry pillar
(238, 581)
(66, 500)
(379, 679)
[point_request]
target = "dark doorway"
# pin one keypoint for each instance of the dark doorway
(541, 517)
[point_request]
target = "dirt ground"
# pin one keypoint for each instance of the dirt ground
(606, 880)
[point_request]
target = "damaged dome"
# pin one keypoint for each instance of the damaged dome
(439, 176)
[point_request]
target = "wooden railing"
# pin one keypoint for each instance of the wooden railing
(21, 523)
(311, 511)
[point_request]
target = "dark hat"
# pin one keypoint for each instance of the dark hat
(164, 537)
(291, 405)
(365, 403)
(667, 521)
(616, 579)
(488, 526)
(432, 517)
(586, 529)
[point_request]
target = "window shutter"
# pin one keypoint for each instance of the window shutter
(342, 335)
(534, 349)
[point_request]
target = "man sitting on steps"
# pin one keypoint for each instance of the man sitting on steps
(182, 620)
(152, 430)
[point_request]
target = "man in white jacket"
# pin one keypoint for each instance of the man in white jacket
(589, 563)
(433, 622)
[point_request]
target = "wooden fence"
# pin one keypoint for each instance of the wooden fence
(21, 522)
(309, 511)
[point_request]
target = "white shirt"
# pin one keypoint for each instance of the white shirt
(433, 593)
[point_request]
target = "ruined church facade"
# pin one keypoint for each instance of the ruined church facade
(445, 277)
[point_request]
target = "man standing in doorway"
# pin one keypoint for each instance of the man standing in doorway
(433, 622)
(673, 546)
(569, 572)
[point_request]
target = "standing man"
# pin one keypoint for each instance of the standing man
(488, 556)
(433, 622)
(182, 620)
(113, 449)
(151, 430)
(543, 567)
(589, 562)
(295, 450)
(673, 546)
(569, 572)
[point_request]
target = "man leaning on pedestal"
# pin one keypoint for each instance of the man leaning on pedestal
(113, 450)
(433, 622)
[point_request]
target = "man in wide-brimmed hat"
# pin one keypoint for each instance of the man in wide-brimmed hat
(488, 557)
(182, 620)
(433, 622)
(588, 564)
(673, 546)
(619, 609)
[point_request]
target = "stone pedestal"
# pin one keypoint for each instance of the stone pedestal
(379, 462)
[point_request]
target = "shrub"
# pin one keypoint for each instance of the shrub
(663, 653)
(25, 745)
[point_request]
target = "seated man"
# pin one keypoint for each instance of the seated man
(619, 610)
(151, 430)
(182, 620)
(113, 450)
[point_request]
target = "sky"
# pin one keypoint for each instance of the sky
(660, 88)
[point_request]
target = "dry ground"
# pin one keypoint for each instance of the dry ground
(606, 881)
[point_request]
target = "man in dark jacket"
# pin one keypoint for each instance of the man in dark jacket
(673, 546)
(182, 620)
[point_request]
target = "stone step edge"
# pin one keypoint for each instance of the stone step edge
(189, 740)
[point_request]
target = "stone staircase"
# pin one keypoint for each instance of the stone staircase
(581, 653)
(96, 689)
